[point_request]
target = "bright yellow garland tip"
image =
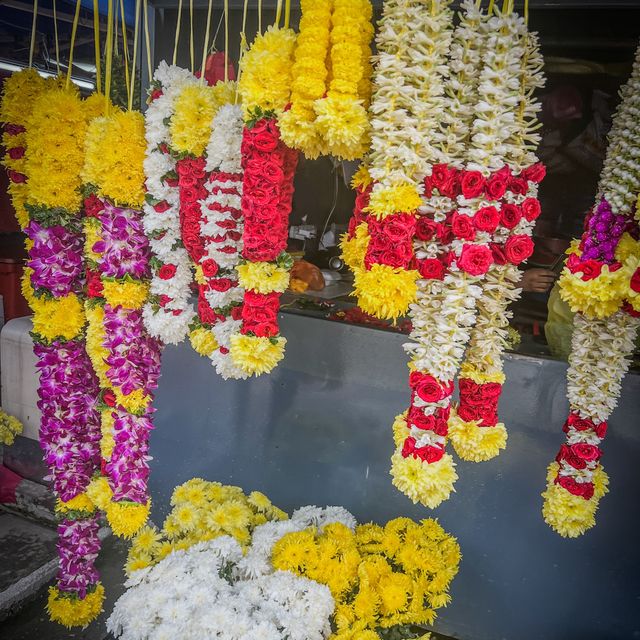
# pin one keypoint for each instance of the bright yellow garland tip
(81, 502)
(468, 370)
(474, 443)
(127, 518)
(203, 341)
(567, 514)
(74, 612)
(428, 484)
(99, 492)
(384, 291)
(256, 355)
(354, 249)
(128, 294)
(399, 198)
(263, 277)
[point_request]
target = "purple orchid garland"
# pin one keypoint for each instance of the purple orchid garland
(70, 424)
(134, 357)
(605, 229)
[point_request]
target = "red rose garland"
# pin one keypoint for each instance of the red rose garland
(267, 193)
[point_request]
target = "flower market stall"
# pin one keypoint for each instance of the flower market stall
(201, 375)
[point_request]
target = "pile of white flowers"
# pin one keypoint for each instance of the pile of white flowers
(213, 590)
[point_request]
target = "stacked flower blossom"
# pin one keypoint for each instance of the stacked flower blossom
(601, 281)
(53, 284)
(125, 357)
(267, 192)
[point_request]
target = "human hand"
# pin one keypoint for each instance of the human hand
(538, 280)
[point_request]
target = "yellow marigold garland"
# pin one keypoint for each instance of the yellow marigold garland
(263, 277)
(256, 355)
(342, 114)
(73, 612)
(309, 72)
(115, 149)
(265, 82)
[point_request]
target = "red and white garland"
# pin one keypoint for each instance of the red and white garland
(169, 312)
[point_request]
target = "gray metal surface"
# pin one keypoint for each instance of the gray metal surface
(318, 431)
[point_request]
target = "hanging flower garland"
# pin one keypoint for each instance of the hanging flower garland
(342, 120)
(168, 312)
(221, 228)
(125, 357)
(53, 285)
(475, 430)
(267, 192)
(298, 125)
(412, 48)
(601, 281)
(19, 93)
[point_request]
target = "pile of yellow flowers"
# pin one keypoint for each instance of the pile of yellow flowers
(10, 427)
(380, 577)
(202, 511)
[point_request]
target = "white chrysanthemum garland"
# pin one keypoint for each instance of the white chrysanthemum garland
(601, 282)
(168, 313)
(196, 593)
(221, 227)
(413, 42)
(475, 431)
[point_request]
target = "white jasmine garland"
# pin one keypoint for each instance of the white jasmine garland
(168, 322)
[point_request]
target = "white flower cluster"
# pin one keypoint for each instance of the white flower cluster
(620, 178)
(465, 64)
(408, 97)
(220, 216)
(168, 322)
(599, 360)
(498, 93)
(195, 594)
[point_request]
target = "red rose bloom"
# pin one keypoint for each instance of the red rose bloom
(426, 229)
(531, 209)
(236, 312)
(534, 173)
(472, 184)
(431, 269)
(155, 94)
(209, 268)
(260, 313)
(518, 186)
(601, 429)
(510, 215)
(590, 269)
(16, 153)
(94, 284)
(444, 233)
(429, 454)
(164, 300)
(475, 259)
(568, 455)
(486, 219)
(587, 452)
(417, 418)
(497, 251)
(634, 284)
(161, 207)
(93, 206)
(167, 271)
(518, 248)
(205, 312)
(427, 387)
(444, 179)
(462, 227)
(221, 284)
(583, 489)
(109, 398)
(496, 186)
(578, 423)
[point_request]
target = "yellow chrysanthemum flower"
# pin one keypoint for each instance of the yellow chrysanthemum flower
(107, 441)
(386, 201)
(354, 249)
(99, 492)
(473, 442)
(81, 502)
(265, 79)
(114, 156)
(203, 341)
(384, 291)
(126, 518)
(10, 427)
(134, 402)
(429, 484)
(130, 294)
(256, 355)
(94, 344)
(57, 317)
(75, 612)
(191, 121)
(263, 277)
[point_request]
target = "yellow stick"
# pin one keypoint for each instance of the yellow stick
(278, 13)
(74, 29)
(526, 11)
(136, 32)
(147, 39)
(177, 38)
(259, 16)
(226, 40)
(108, 57)
(287, 13)
(125, 48)
(206, 42)
(55, 35)
(191, 52)
(96, 42)
(32, 44)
